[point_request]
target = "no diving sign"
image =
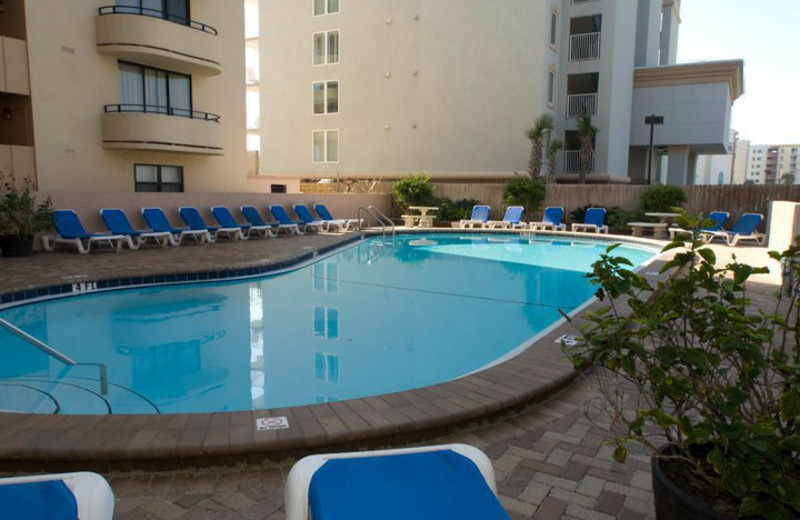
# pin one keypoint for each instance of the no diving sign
(271, 423)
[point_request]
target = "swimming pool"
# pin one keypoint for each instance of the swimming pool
(381, 316)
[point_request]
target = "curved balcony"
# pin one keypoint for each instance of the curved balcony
(149, 127)
(150, 37)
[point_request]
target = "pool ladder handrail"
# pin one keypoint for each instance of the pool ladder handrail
(384, 221)
(47, 349)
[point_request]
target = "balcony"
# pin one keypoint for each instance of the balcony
(584, 46)
(143, 36)
(148, 127)
(572, 161)
(14, 66)
(579, 104)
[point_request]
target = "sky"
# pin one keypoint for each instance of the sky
(766, 35)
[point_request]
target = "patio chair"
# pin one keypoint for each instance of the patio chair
(593, 221)
(69, 230)
(511, 219)
(718, 217)
(257, 223)
(283, 218)
(158, 221)
(117, 222)
(479, 217)
(308, 219)
(342, 223)
(225, 219)
(552, 219)
(191, 216)
(59, 496)
(435, 482)
(744, 229)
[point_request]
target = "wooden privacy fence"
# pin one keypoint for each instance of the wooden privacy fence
(736, 199)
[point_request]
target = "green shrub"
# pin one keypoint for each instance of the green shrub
(526, 192)
(617, 219)
(662, 198)
(454, 211)
(413, 190)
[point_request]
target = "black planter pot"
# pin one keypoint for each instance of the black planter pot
(16, 245)
(672, 503)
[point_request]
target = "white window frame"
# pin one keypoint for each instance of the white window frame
(552, 86)
(327, 8)
(325, 146)
(325, 97)
(326, 50)
(552, 30)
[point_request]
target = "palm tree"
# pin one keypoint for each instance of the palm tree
(586, 133)
(552, 149)
(541, 128)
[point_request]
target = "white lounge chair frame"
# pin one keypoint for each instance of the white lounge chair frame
(84, 245)
(92, 493)
(299, 479)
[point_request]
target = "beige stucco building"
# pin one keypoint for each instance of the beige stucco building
(137, 95)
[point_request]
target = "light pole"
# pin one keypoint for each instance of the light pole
(652, 120)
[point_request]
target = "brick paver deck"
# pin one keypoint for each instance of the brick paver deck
(549, 457)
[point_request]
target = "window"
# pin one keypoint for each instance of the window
(173, 10)
(553, 28)
(326, 146)
(325, 7)
(156, 178)
(145, 89)
(326, 97)
(551, 87)
(326, 48)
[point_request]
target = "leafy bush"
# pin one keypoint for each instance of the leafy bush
(715, 377)
(454, 211)
(617, 219)
(413, 190)
(662, 198)
(526, 192)
(19, 213)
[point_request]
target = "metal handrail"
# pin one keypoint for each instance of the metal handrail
(382, 219)
(156, 13)
(47, 349)
(161, 109)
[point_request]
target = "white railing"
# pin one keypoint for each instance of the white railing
(254, 123)
(584, 46)
(572, 161)
(579, 104)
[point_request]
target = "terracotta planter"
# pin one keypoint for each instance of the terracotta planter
(16, 245)
(672, 503)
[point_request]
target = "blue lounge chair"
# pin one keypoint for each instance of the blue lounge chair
(225, 219)
(251, 214)
(342, 223)
(479, 217)
(283, 218)
(552, 219)
(117, 222)
(448, 481)
(69, 230)
(718, 217)
(744, 229)
(593, 221)
(308, 219)
(56, 496)
(191, 216)
(511, 219)
(158, 221)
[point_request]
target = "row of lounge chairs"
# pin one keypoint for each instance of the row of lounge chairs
(594, 220)
(70, 230)
(745, 228)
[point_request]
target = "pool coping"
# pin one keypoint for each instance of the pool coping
(179, 440)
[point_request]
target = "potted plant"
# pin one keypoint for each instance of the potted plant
(692, 371)
(21, 217)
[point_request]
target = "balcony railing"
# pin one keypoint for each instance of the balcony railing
(160, 109)
(575, 2)
(572, 161)
(579, 104)
(584, 46)
(155, 13)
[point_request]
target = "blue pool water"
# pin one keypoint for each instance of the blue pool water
(380, 316)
